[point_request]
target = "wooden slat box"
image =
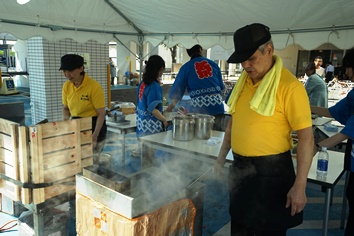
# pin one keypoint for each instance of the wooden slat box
(9, 165)
(58, 151)
(45, 153)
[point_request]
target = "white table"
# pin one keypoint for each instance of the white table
(199, 150)
(335, 173)
(330, 134)
(321, 121)
(321, 128)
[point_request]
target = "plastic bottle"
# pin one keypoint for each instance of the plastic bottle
(322, 163)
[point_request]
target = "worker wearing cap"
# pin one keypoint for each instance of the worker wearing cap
(266, 105)
(83, 96)
(202, 78)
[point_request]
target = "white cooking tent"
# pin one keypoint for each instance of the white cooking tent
(185, 22)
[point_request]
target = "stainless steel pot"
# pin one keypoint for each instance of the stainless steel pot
(183, 127)
(203, 126)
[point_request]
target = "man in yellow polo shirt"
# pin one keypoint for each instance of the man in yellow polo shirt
(266, 105)
(83, 96)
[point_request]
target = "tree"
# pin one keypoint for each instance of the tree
(173, 51)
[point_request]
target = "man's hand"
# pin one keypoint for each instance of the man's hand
(296, 199)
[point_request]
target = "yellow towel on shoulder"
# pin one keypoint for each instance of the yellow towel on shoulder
(263, 101)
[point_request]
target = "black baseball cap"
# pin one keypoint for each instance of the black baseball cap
(71, 62)
(247, 40)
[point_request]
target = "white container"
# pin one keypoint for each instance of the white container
(183, 127)
(203, 126)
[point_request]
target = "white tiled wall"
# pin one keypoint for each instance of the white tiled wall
(46, 80)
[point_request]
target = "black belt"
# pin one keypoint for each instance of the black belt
(78, 117)
(280, 155)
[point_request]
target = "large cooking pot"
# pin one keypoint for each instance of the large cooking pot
(203, 126)
(183, 127)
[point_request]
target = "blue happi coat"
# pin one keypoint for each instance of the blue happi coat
(203, 80)
(149, 98)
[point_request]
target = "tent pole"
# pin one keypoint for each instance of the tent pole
(140, 53)
(124, 17)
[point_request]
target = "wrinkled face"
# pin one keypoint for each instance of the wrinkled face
(318, 62)
(73, 75)
(349, 73)
(259, 63)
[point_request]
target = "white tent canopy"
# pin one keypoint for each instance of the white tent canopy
(185, 22)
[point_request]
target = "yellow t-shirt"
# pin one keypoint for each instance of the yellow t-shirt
(256, 135)
(84, 100)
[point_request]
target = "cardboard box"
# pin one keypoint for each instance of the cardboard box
(93, 218)
(127, 108)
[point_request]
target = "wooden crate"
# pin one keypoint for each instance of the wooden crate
(9, 165)
(58, 151)
(46, 153)
(24, 165)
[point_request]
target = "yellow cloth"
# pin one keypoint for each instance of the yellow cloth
(263, 101)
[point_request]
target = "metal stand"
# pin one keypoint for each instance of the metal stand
(344, 203)
(38, 210)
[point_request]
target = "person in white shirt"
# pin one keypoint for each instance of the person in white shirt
(319, 70)
(113, 70)
(329, 72)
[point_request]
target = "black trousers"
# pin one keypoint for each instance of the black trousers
(258, 188)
